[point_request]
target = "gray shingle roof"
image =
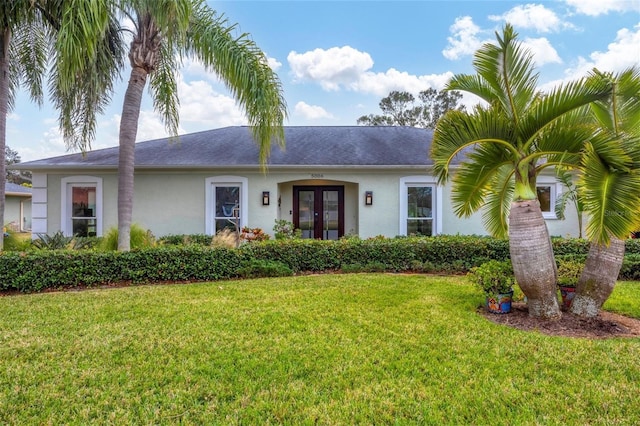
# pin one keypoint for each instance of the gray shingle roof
(15, 189)
(234, 146)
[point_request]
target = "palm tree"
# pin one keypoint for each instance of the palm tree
(38, 34)
(164, 32)
(610, 184)
(503, 147)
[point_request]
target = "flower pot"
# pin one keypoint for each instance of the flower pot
(499, 303)
(567, 293)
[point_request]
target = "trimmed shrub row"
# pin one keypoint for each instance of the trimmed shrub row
(39, 270)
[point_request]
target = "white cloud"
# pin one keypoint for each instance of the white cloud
(311, 112)
(532, 16)
(624, 52)
(274, 64)
(382, 83)
(464, 40)
(600, 7)
(331, 68)
(543, 52)
(51, 144)
(354, 74)
(202, 107)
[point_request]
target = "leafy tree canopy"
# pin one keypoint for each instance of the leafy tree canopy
(15, 176)
(402, 109)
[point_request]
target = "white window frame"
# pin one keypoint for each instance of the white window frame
(210, 199)
(414, 181)
(554, 193)
(66, 186)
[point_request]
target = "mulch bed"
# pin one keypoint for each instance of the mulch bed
(606, 325)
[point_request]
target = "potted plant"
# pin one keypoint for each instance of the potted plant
(568, 274)
(495, 279)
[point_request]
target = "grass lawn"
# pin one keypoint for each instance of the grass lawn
(326, 349)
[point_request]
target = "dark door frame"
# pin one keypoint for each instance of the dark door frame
(318, 207)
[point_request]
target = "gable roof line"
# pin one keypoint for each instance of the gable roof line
(308, 146)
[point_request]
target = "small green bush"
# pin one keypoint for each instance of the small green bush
(493, 277)
(139, 238)
(258, 268)
(15, 242)
(569, 271)
(59, 241)
(285, 230)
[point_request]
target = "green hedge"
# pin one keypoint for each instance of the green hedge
(38, 270)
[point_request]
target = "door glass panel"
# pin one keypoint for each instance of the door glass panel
(306, 212)
(419, 227)
(420, 201)
(330, 215)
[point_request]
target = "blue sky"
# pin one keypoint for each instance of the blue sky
(337, 59)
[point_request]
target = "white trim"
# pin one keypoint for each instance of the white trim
(209, 199)
(65, 194)
(405, 182)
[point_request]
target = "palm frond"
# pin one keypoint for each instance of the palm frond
(31, 48)
(164, 89)
(473, 84)
(80, 103)
(495, 215)
(620, 112)
(560, 101)
(459, 132)
(508, 68)
(245, 71)
(475, 177)
(610, 197)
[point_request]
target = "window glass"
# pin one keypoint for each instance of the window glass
(544, 197)
(83, 211)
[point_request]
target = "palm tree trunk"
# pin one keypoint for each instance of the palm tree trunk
(126, 160)
(532, 258)
(598, 278)
(4, 109)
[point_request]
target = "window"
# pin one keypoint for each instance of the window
(548, 190)
(226, 200)
(420, 205)
(81, 206)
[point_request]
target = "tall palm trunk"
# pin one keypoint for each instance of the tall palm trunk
(4, 108)
(126, 160)
(598, 278)
(532, 258)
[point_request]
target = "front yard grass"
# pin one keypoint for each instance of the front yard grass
(325, 349)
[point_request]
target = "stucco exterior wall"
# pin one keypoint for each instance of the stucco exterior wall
(173, 201)
(17, 210)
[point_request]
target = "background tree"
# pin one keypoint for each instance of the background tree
(504, 146)
(15, 176)
(401, 109)
(163, 33)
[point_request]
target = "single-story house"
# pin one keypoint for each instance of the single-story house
(17, 207)
(329, 181)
